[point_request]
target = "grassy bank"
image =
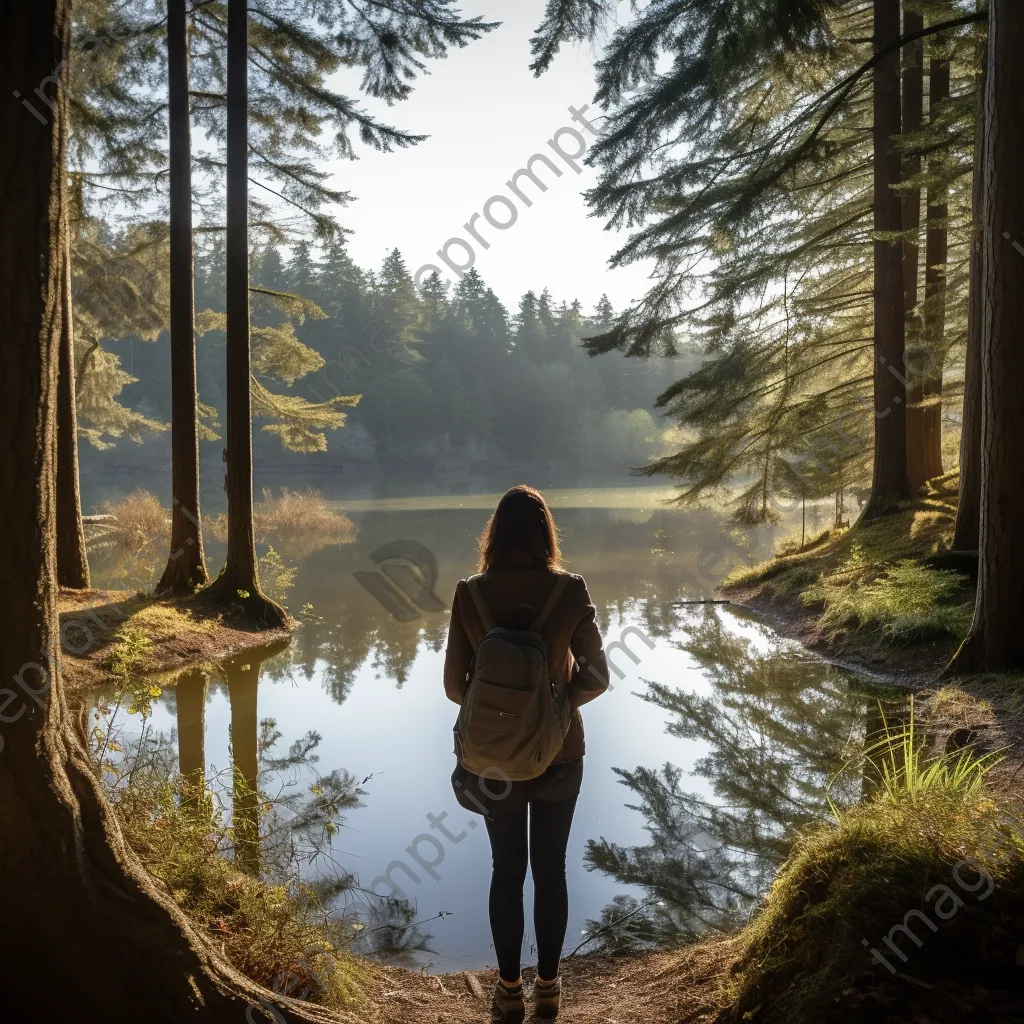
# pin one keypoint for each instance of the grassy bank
(910, 906)
(878, 597)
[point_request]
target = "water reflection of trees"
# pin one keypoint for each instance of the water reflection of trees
(635, 566)
(635, 561)
(270, 809)
(777, 726)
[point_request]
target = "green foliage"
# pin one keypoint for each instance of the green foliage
(278, 353)
(120, 289)
(737, 148)
(907, 602)
(907, 772)
(127, 650)
(276, 578)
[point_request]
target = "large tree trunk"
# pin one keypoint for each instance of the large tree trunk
(913, 115)
(186, 567)
(968, 512)
(72, 562)
(87, 935)
(238, 582)
(925, 365)
(889, 484)
(997, 638)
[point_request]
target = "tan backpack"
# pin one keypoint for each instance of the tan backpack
(513, 720)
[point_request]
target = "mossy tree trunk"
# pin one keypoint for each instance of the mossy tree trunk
(186, 567)
(889, 482)
(968, 512)
(72, 561)
(95, 938)
(238, 581)
(996, 642)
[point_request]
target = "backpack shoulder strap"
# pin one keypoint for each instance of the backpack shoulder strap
(481, 605)
(553, 600)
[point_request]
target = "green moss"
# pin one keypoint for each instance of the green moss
(806, 959)
(905, 602)
(874, 580)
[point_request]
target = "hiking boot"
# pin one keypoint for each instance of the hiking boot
(508, 1006)
(546, 997)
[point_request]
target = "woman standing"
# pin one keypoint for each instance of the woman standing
(522, 593)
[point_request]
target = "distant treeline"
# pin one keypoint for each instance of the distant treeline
(443, 374)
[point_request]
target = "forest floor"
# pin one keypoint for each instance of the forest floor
(669, 987)
(113, 633)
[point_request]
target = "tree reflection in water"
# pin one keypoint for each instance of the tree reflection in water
(778, 725)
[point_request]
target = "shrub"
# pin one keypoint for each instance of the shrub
(302, 522)
(276, 578)
(139, 521)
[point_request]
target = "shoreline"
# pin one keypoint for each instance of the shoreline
(911, 670)
(106, 634)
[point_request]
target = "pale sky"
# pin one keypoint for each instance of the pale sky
(486, 115)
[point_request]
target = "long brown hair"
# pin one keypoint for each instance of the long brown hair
(521, 527)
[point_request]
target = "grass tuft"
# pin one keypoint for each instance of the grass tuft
(930, 845)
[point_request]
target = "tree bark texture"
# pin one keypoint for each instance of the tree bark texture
(924, 456)
(913, 116)
(997, 637)
(186, 566)
(72, 561)
(889, 483)
(968, 512)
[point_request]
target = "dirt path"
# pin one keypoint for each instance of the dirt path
(680, 987)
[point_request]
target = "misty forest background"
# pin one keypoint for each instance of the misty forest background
(453, 377)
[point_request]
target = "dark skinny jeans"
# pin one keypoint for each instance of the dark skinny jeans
(546, 824)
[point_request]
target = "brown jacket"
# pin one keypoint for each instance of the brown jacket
(575, 650)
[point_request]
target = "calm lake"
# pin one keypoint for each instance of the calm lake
(715, 742)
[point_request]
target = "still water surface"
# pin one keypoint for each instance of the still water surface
(715, 742)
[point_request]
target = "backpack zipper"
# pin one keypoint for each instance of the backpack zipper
(504, 714)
